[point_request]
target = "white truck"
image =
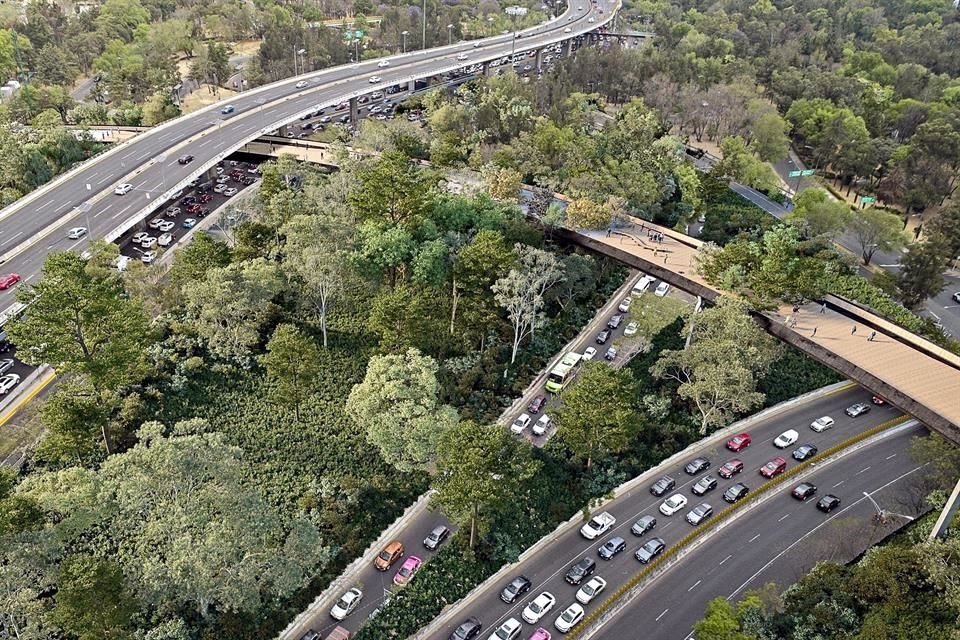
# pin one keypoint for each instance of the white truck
(598, 525)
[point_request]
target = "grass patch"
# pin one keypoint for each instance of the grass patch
(651, 314)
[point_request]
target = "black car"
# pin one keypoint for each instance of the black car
(650, 550)
(468, 630)
(804, 451)
(644, 524)
(187, 159)
(603, 336)
(857, 410)
(697, 465)
(536, 405)
(736, 492)
(703, 485)
(436, 537)
(804, 491)
(310, 635)
(517, 587)
(585, 567)
(661, 486)
(828, 503)
(612, 547)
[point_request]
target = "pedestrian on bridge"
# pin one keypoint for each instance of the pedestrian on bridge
(873, 334)
(814, 332)
(854, 330)
(823, 308)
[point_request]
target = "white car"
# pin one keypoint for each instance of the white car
(520, 424)
(662, 289)
(642, 285)
(166, 225)
(591, 590)
(8, 382)
(821, 424)
(591, 20)
(165, 240)
(148, 243)
(220, 188)
(625, 305)
(539, 607)
(301, 84)
(785, 439)
(589, 353)
(346, 605)
(122, 262)
(673, 504)
(148, 257)
(76, 233)
(375, 79)
(569, 618)
(462, 56)
(598, 525)
(123, 189)
(567, 30)
(507, 631)
(139, 236)
(383, 63)
(631, 329)
(155, 224)
(232, 191)
(541, 425)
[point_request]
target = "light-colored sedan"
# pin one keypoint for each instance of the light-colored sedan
(569, 618)
(539, 607)
(631, 329)
(139, 236)
(520, 424)
(821, 424)
(591, 590)
(625, 305)
(8, 382)
(541, 426)
(76, 233)
(165, 240)
(508, 630)
(149, 242)
(673, 504)
(232, 191)
(346, 605)
(785, 439)
(589, 353)
(662, 289)
(148, 257)
(123, 189)
(166, 225)
(301, 84)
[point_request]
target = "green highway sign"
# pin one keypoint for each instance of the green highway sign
(867, 199)
(794, 174)
(807, 172)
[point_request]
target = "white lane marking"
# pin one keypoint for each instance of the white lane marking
(45, 204)
(862, 470)
(754, 537)
(662, 613)
(838, 484)
(891, 457)
(725, 559)
(694, 586)
(784, 518)
(17, 235)
(817, 528)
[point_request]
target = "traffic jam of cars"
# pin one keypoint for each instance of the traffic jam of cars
(677, 498)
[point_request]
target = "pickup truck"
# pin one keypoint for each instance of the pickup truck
(598, 525)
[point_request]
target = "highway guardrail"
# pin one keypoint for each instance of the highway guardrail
(662, 562)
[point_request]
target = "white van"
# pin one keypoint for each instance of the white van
(642, 285)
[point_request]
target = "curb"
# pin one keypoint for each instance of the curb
(621, 598)
(630, 485)
(301, 624)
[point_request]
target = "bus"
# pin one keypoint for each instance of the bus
(561, 375)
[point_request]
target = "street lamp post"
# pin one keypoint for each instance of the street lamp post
(303, 66)
(514, 12)
(423, 43)
(881, 514)
(449, 34)
(404, 34)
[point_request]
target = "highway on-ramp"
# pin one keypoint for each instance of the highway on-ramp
(37, 224)
(546, 568)
(777, 543)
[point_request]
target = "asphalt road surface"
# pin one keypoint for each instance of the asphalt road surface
(778, 542)
(36, 225)
(546, 570)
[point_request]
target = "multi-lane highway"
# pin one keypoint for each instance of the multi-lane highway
(777, 543)
(546, 569)
(38, 223)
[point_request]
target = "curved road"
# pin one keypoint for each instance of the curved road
(546, 568)
(38, 223)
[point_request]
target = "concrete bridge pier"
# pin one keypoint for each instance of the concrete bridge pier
(354, 111)
(539, 64)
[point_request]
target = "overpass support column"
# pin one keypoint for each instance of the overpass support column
(539, 60)
(412, 86)
(282, 131)
(489, 70)
(568, 47)
(354, 111)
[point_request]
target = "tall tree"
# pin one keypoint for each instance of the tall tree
(392, 189)
(399, 403)
(293, 364)
(921, 271)
(818, 214)
(479, 469)
(93, 599)
(521, 291)
(718, 372)
(590, 428)
(876, 230)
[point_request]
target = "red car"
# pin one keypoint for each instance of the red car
(193, 208)
(877, 400)
(9, 280)
(740, 442)
(730, 469)
(773, 468)
(205, 198)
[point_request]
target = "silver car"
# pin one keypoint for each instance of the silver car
(8, 382)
